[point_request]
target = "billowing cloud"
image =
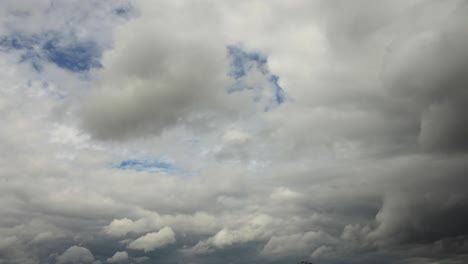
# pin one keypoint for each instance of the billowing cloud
(118, 257)
(258, 227)
(152, 241)
(234, 131)
(76, 254)
(199, 223)
(154, 78)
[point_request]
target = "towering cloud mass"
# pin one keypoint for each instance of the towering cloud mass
(234, 131)
(164, 68)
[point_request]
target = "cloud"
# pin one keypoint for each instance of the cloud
(155, 240)
(6, 242)
(118, 257)
(435, 89)
(255, 228)
(297, 244)
(154, 76)
(141, 259)
(323, 251)
(76, 254)
(120, 227)
(332, 131)
(198, 223)
(26, 6)
(417, 212)
(283, 193)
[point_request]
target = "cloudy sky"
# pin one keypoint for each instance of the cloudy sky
(143, 131)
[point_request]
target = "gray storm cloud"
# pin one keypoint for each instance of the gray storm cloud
(430, 71)
(165, 153)
(163, 70)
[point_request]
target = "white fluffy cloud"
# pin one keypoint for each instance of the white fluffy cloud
(152, 241)
(258, 227)
(118, 257)
(198, 223)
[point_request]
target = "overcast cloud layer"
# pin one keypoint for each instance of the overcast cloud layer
(234, 131)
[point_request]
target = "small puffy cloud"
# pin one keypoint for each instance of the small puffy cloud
(42, 236)
(121, 227)
(118, 257)
(152, 241)
(257, 227)
(235, 137)
(198, 223)
(76, 255)
(283, 193)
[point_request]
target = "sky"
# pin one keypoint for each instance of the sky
(203, 132)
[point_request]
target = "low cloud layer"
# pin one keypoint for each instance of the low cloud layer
(241, 132)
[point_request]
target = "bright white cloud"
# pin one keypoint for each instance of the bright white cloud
(198, 223)
(155, 240)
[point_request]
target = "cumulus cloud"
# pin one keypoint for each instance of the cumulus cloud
(76, 254)
(118, 257)
(198, 223)
(152, 241)
(158, 75)
(332, 131)
(424, 216)
(427, 67)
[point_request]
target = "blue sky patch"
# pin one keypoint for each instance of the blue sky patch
(145, 165)
(16, 42)
(75, 56)
(280, 95)
(267, 91)
(242, 62)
